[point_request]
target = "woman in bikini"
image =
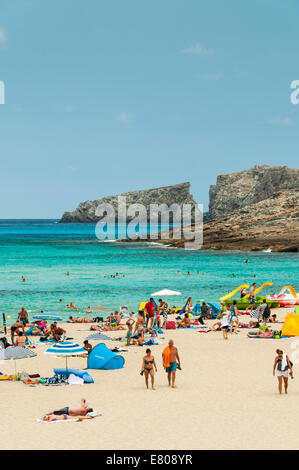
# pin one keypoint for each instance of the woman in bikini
(148, 365)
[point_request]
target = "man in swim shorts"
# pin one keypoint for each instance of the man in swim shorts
(23, 316)
(82, 411)
(171, 361)
(252, 296)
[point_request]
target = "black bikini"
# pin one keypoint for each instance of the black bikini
(148, 362)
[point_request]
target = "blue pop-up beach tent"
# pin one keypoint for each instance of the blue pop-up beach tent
(215, 309)
(102, 358)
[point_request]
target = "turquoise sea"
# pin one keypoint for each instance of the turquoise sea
(43, 251)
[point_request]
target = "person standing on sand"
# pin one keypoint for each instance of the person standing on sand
(148, 365)
(234, 317)
(252, 296)
(282, 364)
(129, 324)
(23, 316)
(225, 324)
(171, 361)
(149, 311)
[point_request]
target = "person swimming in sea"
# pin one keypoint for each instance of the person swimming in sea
(71, 305)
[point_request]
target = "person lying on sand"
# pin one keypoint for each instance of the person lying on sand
(83, 320)
(101, 327)
(261, 334)
(81, 411)
(251, 324)
(53, 417)
(273, 318)
(33, 330)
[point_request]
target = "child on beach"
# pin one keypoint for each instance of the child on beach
(129, 324)
(225, 324)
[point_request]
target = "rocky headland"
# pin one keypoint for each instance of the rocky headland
(250, 210)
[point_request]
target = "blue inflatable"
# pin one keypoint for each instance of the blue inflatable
(79, 373)
(102, 358)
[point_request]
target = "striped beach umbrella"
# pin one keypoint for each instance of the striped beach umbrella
(65, 349)
(15, 352)
(98, 337)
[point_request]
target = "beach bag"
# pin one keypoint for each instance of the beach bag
(267, 312)
(170, 325)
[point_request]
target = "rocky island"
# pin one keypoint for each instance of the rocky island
(254, 209)
(176, 194)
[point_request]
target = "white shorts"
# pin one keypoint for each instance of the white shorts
(280, 373)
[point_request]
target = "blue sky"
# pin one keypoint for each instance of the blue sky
(104, 97)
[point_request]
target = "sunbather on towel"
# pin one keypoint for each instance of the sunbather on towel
(73, 412)
(107, 328)
(64, 417)
(84, 320)
(260, 334)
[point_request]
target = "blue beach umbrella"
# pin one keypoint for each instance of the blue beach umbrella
(197, 307)
(65, 349)
(47, 316)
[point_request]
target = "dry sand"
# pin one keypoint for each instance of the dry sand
(226, 399)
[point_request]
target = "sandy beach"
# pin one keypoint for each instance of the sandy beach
(226, 398)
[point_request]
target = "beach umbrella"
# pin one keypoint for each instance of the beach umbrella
(47, 316)
(65, 349)
(197, 307)
(165, 292)
(99, 337)
(15, 352)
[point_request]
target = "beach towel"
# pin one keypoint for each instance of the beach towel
(39, 420)
(284, 362)
(255, 313)
(166, 357)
